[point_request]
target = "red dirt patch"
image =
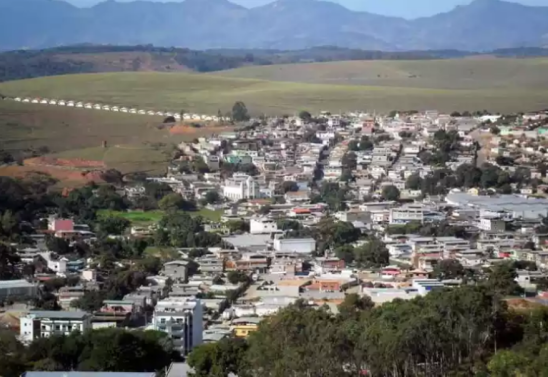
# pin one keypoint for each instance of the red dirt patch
(74, 177)
(74, 163)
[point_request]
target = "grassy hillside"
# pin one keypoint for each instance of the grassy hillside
(470, 73)
(59, 128)
(209, 93)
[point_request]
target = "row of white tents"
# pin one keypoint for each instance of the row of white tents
(121, 109)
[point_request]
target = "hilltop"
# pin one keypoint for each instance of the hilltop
(283, 24)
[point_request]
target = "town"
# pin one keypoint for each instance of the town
(326, 213)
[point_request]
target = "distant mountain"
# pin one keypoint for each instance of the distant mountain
(282, 24)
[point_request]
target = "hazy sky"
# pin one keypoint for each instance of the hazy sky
(402, 8)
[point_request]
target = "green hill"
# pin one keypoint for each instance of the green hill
(209, 93)
(472, 73)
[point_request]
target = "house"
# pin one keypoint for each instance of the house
(297, 196)
(242, 327)
(42, 324)
(262, 226)
(176, 270)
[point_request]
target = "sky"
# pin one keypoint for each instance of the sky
(400, 8)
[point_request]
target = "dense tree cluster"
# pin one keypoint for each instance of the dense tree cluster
(467, 176)
(108, 350)
(465, 331)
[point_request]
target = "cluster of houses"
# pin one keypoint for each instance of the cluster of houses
(121, 109)
(274, 173)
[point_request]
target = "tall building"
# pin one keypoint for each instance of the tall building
(182, 319)
(42, 324)
(237, 189)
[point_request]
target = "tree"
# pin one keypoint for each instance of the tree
(305, 116)
(114, 225)
(218, 359)
(172, 202)
(353, 146)
(290, 186)
(8, 262)
(91, 301)
(449, 269)
(501, 280)
(354, 304)
(236, 277)
(212, 197)
(372, 254)
(113, 177)
(239, 112)
(414, 182)
(494, 130)
(237, 226)
(390, 193)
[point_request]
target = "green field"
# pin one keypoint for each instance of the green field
(210, 93)
(464, 74)
(150, 217)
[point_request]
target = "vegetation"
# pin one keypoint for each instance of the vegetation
(92, 351)
(209, 93)
(466, 331)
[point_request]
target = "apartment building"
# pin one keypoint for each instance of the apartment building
(42, 324)
(182, 319)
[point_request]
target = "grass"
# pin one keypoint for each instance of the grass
(135, 143)
(164, 253)
(149, 217)
(208, 93)
(125, 158)
(433, 74)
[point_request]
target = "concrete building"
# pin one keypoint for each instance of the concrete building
(176, 270)
(182, 319)
(237, 189)
(295, 245)
(17, 290)
(262, 226)
(42, 324)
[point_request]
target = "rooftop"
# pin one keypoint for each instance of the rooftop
(58, 314)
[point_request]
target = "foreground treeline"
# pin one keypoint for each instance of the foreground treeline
(461, 332)
(98, 350)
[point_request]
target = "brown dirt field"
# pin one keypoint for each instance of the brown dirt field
(183, 129)
(65, 176)
(522, 304)
(74, 163)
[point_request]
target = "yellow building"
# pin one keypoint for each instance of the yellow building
(242, 327)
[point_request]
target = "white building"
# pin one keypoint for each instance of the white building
(182, 319)
(237, 189)
(261, 226)
(42, 324)
(295, 245)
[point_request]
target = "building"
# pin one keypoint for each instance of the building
(177, 270)
(406, 214)
(241, 188)
(262, 226)
(42, 324)
(242, 327)
(60, 224)
(296, 245)
(17, 290)
(182, 319)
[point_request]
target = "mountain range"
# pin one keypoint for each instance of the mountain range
(283, 24)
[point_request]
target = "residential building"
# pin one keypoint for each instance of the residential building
(176, 270)
(246, 188)
(42, 324)
(262, 226)
(182, 319)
